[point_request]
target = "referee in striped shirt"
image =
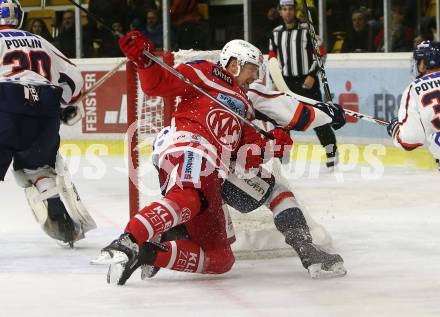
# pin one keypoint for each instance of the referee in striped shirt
(292, 45)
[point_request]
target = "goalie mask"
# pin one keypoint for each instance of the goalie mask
(11, 13)
(244, 52)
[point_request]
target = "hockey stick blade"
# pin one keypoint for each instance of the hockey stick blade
(277, 77)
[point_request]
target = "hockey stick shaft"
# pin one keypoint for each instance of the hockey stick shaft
(102, 80)
(95, 18)
(277, 77)
(315, 46)
(203, 92)
(180, 76)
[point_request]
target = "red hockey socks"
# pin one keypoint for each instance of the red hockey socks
(178, 206)
(187, 256)
(182, 255)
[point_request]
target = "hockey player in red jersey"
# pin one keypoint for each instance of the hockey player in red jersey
(205, 136)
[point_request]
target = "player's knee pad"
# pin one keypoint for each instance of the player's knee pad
(246, 195)
(290, 219)
(186, 198)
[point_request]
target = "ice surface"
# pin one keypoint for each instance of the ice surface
(386, 229)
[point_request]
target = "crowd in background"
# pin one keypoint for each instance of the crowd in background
(352, 25)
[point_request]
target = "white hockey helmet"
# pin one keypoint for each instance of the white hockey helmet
(11, 13)
(243, 51)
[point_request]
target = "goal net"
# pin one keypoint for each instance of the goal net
(255, 231)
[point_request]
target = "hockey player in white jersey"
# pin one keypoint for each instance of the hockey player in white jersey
(35, 80)
(418, 121)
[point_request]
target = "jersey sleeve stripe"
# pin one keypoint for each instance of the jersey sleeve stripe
(278, 199)
(302, 119)
(406, 105)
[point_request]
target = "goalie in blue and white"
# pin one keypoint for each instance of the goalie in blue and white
(38, 88)
(418, 121)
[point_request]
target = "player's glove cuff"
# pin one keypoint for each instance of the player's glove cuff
(393, 127)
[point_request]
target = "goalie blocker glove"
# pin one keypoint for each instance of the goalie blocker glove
(334, 111)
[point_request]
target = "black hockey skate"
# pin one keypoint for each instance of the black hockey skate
(175, 233)
(57, 213)
(317, 261)
(125, 257)
(332, 160)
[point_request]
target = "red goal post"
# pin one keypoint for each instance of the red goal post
(148, 115)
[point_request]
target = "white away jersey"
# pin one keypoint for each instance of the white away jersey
(283, 110)
(27, 58)
(419, 115)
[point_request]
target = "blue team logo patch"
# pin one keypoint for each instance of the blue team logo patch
(232, 103)
(191, 168)
(437, 138)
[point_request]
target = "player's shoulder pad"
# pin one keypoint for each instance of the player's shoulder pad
(435, 75)
(257, 85)
(428, 82)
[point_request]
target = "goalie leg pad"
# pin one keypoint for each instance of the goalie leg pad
(47, 183)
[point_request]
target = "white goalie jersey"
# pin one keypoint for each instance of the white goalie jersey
(419, 115)
(28, 59)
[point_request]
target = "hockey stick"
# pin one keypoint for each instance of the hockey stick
(200, 90)
(95, 18)
(315, 46)
(84, 94)
(278, 79)
(323, 75)
(102, 80)
(180, 76)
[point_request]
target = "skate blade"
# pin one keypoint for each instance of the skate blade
(316, 271)
(106, 258)
(148, 271)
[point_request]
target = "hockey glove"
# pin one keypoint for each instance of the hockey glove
(282, 142)
(133, 45)
(334, 111)
(392, 127)
(71, 114)
(255, 146)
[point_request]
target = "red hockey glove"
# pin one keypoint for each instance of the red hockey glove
(282, 143)
(252, 150)
(133, 45)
